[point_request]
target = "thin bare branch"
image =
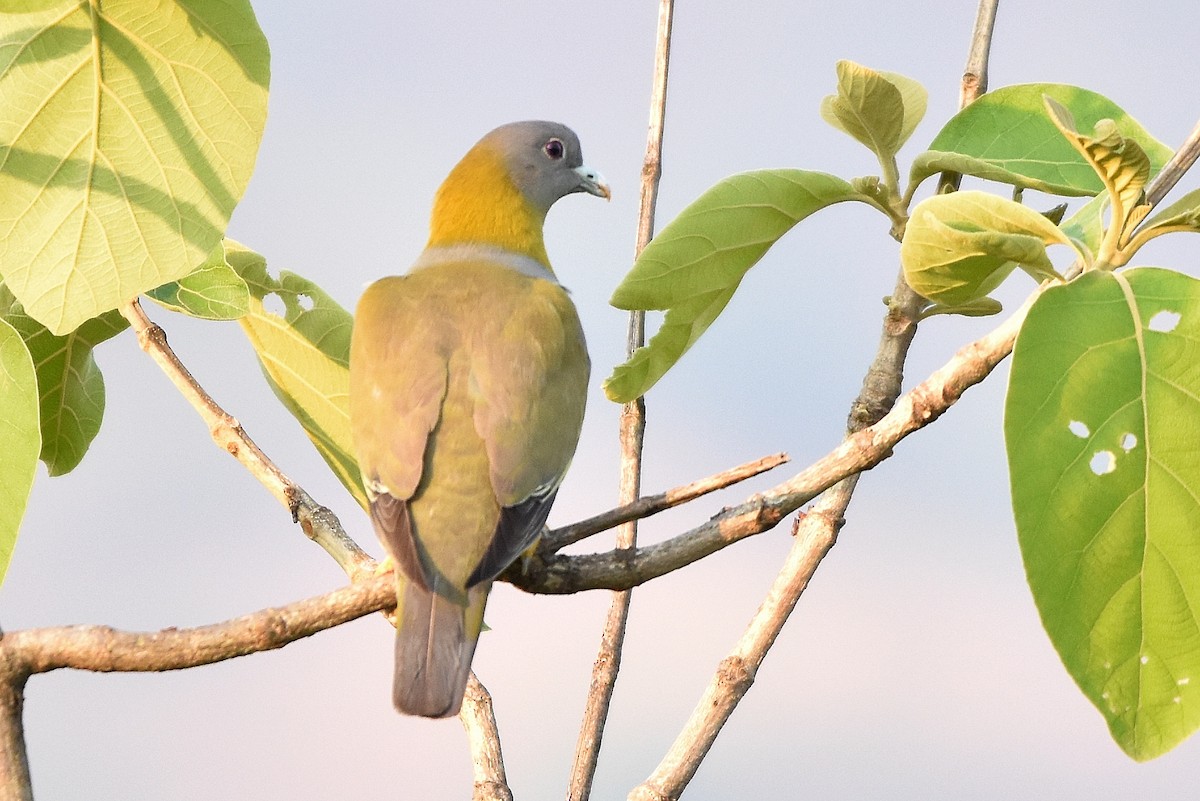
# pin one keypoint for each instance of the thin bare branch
(103, 649)
(975, 75)
(318, 522)
(816, 531)
(487, 763)
(649, 505)
(1174, 169)
(15, 784)
(633, 425)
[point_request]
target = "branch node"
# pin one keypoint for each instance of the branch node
(735, 673)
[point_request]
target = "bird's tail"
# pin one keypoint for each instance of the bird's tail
(435, 640)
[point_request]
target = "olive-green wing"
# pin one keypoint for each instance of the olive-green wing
(532, 376)
(397, 385)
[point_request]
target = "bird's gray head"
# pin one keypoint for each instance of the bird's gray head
(545, 161)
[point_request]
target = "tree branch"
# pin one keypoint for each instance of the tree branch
(1174, 169)
(105, 650)
(487, 763)
(15, 784)
(648, 505)
(633, 425)
(318, 522)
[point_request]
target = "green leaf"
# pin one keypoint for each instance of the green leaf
(20, 437)
(213, 291)
(1085, 228)
(980, 307)
(127, 137)
(1006, 136)
(1181, 216)
(915, 99)
(959, 247)
(878, 109)
(70, 385)
(305, 355)
(693, 267)
(1102, 424)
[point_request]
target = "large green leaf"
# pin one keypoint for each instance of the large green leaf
(19, 434)
(1102, 424)
(127, 135)
(693, 267)
(213, 291)
(305, 354)
(960, 246)
(1007, 136)
(70, 385)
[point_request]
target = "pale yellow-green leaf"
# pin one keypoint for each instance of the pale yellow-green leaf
(1085, 228)
(212, 291)
(959, 247)
(302, 338)
(1121, 163)
(915, 99)
(1183, 214)
(20, 437)
(868, 107)
(128, 132)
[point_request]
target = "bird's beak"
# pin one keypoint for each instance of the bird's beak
(593, 182)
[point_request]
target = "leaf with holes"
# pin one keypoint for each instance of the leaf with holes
(70, 385)
(212, 291)
(1007, 136)
(1102, 425)
(305, 354)
(696, 263)
(20, 434)
(959, 247)
(126, 139)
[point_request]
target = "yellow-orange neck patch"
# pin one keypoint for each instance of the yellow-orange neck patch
(478, 203)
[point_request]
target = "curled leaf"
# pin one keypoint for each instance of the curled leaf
(959, 247)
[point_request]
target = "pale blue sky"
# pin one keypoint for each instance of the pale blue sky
(913, 668)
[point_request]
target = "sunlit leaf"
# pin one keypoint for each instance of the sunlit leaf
(212, 291)
(1007, 136)
(20, 434)
(693, 267)
(127, 136)
(867, 106)
(1102, 424)
(1121, 164)
(1085, 228)
(302, 338)
(70, 385)
(1182, 216)
(959, 247)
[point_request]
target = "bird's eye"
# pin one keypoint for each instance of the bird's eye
(555, 149)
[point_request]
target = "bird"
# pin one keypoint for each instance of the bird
(468, 383)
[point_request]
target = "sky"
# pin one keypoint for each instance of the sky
(914, 665)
